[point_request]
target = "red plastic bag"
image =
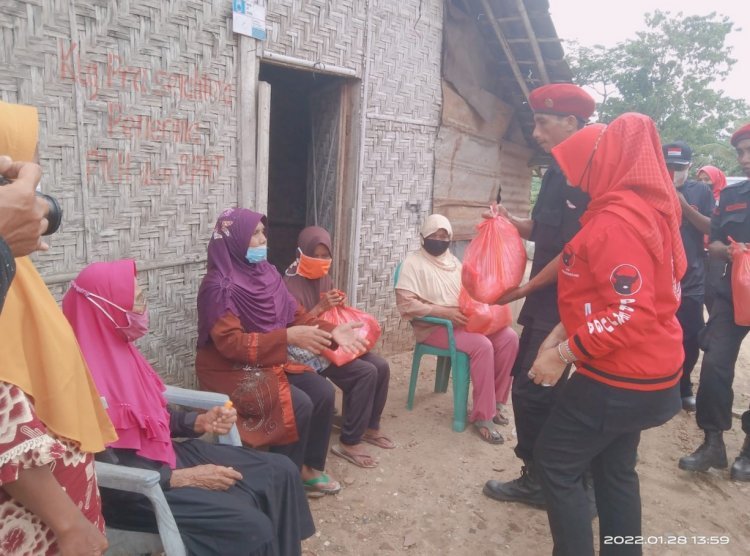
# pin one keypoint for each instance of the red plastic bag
(483, 319)
(370, 331)
(741, 285)
(494, 261)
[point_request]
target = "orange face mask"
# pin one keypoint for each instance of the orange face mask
(312, 268)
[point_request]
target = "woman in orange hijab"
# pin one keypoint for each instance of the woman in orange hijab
(52, 419)
(618, 292)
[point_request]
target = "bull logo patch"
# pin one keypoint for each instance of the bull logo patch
(568, 257)
(626, 279)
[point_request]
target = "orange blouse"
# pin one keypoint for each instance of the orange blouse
(251, 368)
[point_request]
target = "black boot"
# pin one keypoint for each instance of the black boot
(712, 453)
(741, 467)
(525, 489)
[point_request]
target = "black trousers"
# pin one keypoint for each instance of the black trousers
(531, 403)
(313, 399)
(714, 271)
(364, 383)
(598, 427)
(690, 315)
(721, 341)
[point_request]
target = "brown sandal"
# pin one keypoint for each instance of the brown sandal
(381, 441)
(360, 460)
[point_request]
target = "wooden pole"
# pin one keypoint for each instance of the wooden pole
(264, 129)
(247, 78)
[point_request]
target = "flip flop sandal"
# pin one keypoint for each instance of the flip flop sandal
(321, 485)
(380, 441)
(356, 459)
(493, 437)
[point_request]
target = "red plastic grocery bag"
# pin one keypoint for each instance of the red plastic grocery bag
(741, 285)
(495, 260)
(484, 319)
(342, 314)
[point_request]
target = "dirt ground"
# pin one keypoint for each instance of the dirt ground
(425, 498)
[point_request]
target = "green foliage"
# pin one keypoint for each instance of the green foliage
(668, 72)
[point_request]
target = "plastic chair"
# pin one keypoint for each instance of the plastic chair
(146, 482)
(447, 359)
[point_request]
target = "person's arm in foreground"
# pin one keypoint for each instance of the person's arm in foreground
(38, 490)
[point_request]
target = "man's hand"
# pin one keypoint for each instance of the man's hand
(209, 476)
(22, 214)
(310, 338)
(511, 295)
(217, 420)
(736, 249)
(495, 209)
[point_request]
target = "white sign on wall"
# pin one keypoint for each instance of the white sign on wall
(249, 18)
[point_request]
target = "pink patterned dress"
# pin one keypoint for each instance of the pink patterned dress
(25, 443)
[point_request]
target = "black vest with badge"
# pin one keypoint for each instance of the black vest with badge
(556, 215)
(731, 219)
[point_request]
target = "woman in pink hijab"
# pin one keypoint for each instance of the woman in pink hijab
(225, 499)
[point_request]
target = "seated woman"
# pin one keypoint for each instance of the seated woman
(429, 285)
(225, 499)
(364, 381)
(247, 321)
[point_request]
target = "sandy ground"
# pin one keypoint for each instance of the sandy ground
(425, 497)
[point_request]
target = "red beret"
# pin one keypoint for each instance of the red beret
(562, 99)
(740, 134)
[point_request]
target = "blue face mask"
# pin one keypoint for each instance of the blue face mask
(256, 254)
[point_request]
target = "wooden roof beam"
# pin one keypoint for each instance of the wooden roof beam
(506, 47)
(534, 44)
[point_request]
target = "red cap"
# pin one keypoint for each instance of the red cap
(562, 99)
(740, 134)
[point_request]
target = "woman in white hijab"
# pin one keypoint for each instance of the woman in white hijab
(429, 285)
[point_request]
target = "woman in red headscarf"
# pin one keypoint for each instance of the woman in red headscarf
(618, 292)
(364, 381)
(714, 178)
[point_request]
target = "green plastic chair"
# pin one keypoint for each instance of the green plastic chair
(447, 359)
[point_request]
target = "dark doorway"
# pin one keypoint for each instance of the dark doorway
(304, 150)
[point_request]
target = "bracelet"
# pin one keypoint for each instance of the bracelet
(569, 351)
(564, 359)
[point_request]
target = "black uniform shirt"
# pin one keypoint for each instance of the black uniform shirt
(555, 215)
(698, 195)
(731, 219)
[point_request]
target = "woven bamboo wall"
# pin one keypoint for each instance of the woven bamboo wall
(318, 31)
(137, 103)
(402, 119)
(138, 113)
